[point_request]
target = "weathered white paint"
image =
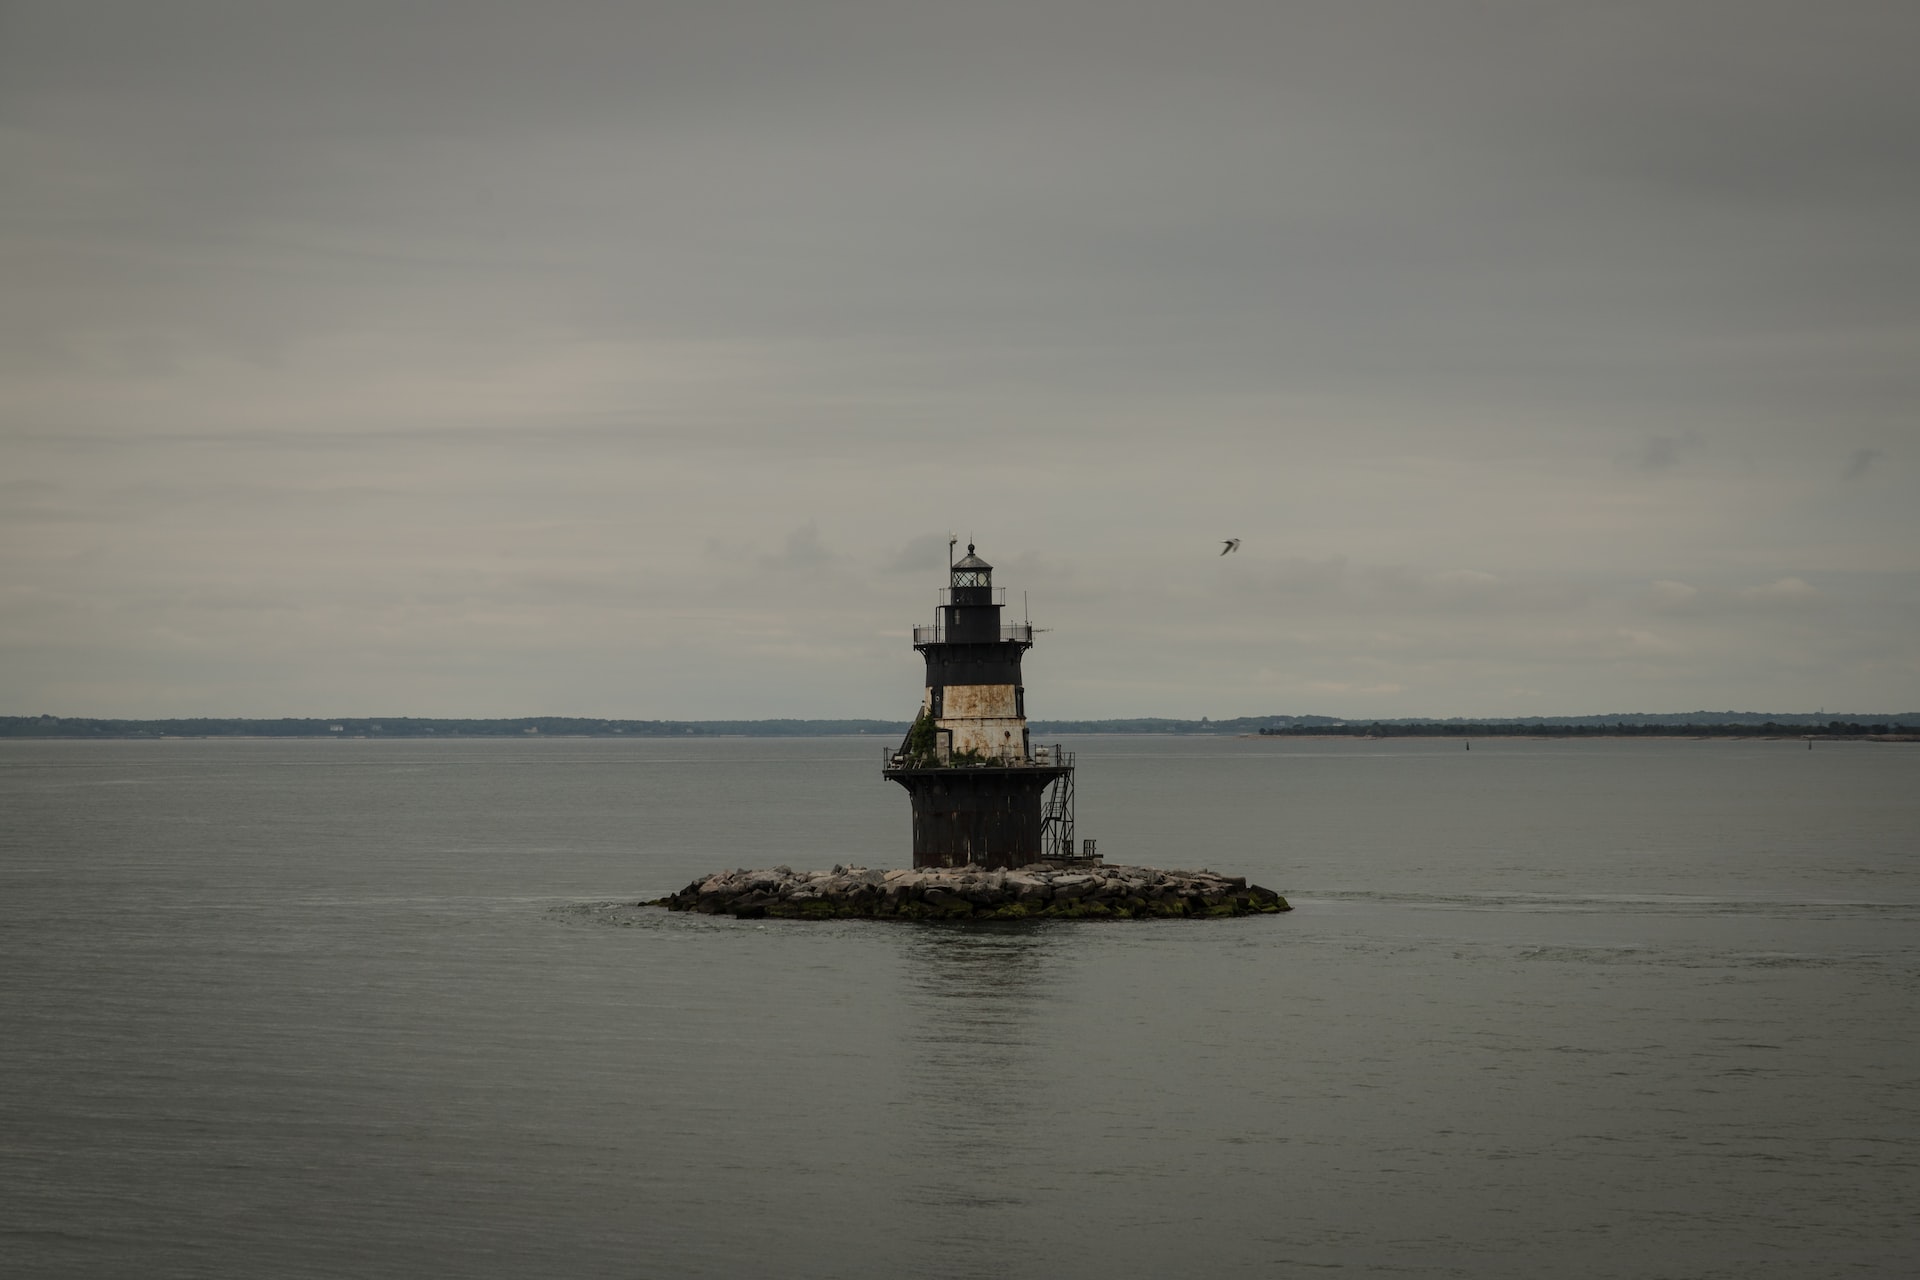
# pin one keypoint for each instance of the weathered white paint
(978, 702)
(982, 718)
(995, 737)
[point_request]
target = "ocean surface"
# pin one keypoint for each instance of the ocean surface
(1544, 1009)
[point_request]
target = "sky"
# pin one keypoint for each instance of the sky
(638, 359)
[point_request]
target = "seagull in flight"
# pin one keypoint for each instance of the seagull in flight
(1231, 544)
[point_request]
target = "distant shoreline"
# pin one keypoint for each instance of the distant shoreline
(1695, 734)
(1894, 728)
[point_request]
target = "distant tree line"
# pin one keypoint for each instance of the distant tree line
(1619, 729)
(1740, 723)
(418, 727)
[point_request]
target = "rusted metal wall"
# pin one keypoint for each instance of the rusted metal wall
(989, 817)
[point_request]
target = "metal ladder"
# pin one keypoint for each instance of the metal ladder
(1056, 814)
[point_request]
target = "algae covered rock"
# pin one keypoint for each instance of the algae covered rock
(1037, 892)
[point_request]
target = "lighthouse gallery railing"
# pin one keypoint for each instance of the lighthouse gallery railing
(1008, 758)
(936, 634)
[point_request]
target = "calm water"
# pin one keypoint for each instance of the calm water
(1544, 1009)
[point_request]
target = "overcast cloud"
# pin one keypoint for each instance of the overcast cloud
(636, 359)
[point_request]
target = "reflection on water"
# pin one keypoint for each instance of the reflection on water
(977, 1081)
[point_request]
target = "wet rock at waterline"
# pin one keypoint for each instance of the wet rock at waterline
(974, 893)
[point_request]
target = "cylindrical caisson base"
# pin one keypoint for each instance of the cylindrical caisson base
(985, 816)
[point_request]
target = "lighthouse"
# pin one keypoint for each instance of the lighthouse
(982, 794)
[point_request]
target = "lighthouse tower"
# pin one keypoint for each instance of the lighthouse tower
(982, 794)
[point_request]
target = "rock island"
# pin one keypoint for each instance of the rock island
(993, 820)
(974, 893)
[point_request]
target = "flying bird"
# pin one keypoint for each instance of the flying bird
(1232, 544)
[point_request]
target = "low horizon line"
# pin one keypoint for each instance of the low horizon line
(1083, 719)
